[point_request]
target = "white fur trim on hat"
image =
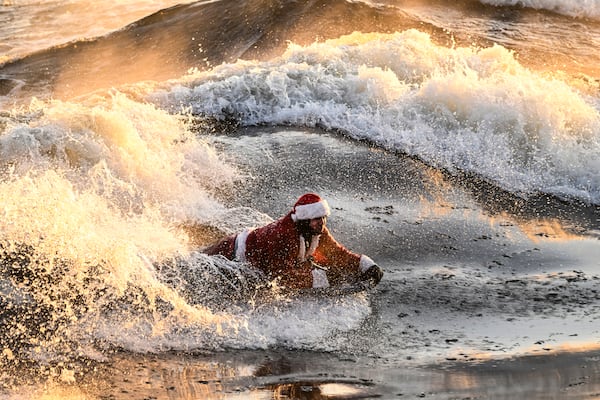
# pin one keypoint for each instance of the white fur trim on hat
(312, 210)
(365, 263)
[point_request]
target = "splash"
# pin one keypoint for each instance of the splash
(104, 204)
(93, 197)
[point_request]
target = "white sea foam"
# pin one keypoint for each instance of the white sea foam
(572, 8)
(475, 109)
(96, 192)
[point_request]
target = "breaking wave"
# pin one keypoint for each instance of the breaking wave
(473, 109)
(573, 8)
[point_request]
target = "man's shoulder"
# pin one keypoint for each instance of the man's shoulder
(279, 226)
(326, 234)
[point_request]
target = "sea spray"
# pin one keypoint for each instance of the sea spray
(100, 199)
(118, 148)
(93, 198)
(572, 8)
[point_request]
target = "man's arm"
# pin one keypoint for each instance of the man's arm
(344, 264)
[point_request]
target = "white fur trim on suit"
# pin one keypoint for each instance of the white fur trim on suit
(319, 278)
(303, 252)
(312, 210)
(240, 245)
(365, 263)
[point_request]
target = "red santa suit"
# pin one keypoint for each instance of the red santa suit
(281, 252)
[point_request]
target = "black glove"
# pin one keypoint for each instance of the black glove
(374, 274)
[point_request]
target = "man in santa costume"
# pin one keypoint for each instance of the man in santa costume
(299, 250)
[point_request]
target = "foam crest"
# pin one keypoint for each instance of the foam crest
(572, 8)
(475, 109)
(127, 151)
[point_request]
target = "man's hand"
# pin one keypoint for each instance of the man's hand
(374, 274)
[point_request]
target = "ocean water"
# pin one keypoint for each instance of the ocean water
(457, 142)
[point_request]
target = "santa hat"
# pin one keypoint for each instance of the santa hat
(310, 206)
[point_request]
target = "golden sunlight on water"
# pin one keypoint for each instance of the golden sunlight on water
(340, 390)
(547, 228)
(538, 229)
(63, 393)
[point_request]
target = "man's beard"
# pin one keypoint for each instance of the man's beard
(305, 230)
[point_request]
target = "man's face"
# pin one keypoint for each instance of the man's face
(317, 225)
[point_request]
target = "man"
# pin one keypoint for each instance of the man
(299, 250)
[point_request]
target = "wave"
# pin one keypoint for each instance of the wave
(102, 194)
(83, 199)
(168, 43)
(473, 109)
(572, 8)
(200, 35)
(101, 199)
(25, 28)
